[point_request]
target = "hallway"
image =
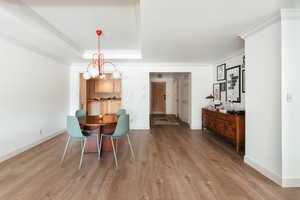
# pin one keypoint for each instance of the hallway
(164, 120)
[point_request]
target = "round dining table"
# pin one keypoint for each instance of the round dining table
(100, 124)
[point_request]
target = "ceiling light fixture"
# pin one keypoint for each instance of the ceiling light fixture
(96, 66)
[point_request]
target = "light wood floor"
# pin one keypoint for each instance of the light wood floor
(173, 163)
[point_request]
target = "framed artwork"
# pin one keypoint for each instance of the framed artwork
(221, 72)
(243, 80)
(216, 91)
(233, 93)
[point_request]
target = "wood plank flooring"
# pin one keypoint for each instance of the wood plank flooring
(173, 163)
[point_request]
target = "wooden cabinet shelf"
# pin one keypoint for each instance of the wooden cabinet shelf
(108, 86)
(104, 86)
(117, 86)
(110, 106)
(230, 126)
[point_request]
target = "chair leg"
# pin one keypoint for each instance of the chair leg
(130, 146)
(116, 145)
(82, 153)
(115, 155)
(65, 151)
(81, 144)
(100, 145)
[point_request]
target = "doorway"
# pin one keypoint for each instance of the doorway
(158, 97)
(170, 98)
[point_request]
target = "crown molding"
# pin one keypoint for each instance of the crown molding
(147, 67)
(26, 15)
(260, 26)
(164, 64)
(149, 64)
(290, 14)
(283, 14)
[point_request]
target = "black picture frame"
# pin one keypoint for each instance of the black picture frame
(215, 85)
(244, 62)
(243, 80)
(220, 69)
(229, 84)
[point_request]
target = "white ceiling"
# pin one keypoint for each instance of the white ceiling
(79, 20)
(199, 30)
(162, 30)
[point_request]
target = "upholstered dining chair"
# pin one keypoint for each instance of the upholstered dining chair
(80, 113)
(74, 131)
(121, 111)
(121, 130)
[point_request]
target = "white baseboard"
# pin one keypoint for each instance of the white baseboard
(290, 182)
(264, 171)
(141, 127)
(196, 127)
(27, 147)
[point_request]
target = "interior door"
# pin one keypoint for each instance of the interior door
(158, 97)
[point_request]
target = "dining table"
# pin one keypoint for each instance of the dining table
(99, 124)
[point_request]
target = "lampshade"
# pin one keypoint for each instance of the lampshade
(116, 74)
(102, 76)
(93, 71)
(209, 97)
(86, 75)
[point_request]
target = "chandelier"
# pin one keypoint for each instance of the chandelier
(96, 66)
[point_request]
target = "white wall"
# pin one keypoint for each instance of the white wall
(168, 79)
(296, 3)
(136, 94)
(272, 136)
(231, 61)
(135, 97)
(34, 96)
(291, 109)
(263, 101)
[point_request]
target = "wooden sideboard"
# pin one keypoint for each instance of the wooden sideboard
(231, 126)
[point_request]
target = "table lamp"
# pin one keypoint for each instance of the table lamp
(211, 97)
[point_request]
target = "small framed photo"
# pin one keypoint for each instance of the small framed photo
(217, 91)
(223, 91)
(221, 72)
(243, 80)
(223, 86)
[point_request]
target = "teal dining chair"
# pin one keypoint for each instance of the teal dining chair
(121, 130)
(80, 113)
(121, 112)
(74, 131)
